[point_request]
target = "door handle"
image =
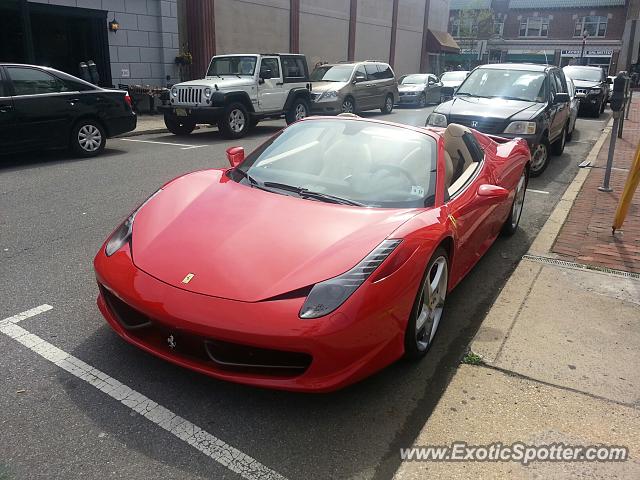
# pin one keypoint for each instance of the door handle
(279, 83)
(6, 108)
(369, 85)
(73, 101)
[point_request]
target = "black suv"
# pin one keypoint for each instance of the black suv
(592, 87)
(513, 100)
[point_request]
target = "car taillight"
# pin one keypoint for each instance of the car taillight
(127, 99)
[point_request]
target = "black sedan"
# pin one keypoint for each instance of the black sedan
(43, 108)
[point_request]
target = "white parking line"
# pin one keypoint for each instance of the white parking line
(537, 191)
(188, 147)
(216, 449)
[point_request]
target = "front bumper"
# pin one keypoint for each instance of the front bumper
(362, 336)
(590, 100)
(332, 107)
(197, 114)
(408, 98)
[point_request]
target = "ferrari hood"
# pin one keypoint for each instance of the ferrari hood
(246, 244)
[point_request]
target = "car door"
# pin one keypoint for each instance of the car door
(43, 106)
(271, 92)
(433, 89)
(561, 110)
(375, 84)
(361, 88)
(7, 116)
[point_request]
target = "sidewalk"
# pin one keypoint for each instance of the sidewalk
(560, 346)
(148, 124)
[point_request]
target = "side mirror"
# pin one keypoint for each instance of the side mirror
(492, 192)
(561, 98)
(609, 81)
(266, 73)
(235, 155)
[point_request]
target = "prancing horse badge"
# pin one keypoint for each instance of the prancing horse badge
(188, 278)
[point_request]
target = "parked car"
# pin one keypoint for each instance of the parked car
(370, 226)
(239, 91)
(592, 87)
(419, 89)
(43, 108)
(573, 109)
(450, 83)
(353, 87)
(513, 100)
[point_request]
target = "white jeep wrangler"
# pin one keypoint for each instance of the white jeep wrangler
(240, 90)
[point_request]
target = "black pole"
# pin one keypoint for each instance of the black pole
(584, 41)
(25, 16)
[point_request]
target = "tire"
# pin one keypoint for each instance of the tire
(558, 146)
(603, 105)
(570, 134)
(348, 105)
(539, 166)
(416, 341)
(235, 121)
(299, 110)
(88, 138)
(511, 224)
(387, 108)
(422, 101)
(179, 126)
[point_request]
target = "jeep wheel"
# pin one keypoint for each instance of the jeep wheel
(539, 158)
(299, 110)
(179, 126)
(387, 108)
(235, 121)
(348, 105)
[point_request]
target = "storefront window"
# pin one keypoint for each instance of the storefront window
(534, 27)
(593, 26)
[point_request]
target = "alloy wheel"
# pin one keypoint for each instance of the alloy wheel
(237, 120)
(347, 106)
(539, 157)
(431, 302)
(89, 138)
(301, 111)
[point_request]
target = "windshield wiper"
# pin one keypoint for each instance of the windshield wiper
(512, 98)
(252, 181)
(306, 193)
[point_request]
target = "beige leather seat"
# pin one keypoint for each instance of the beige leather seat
(448, 170)
(456, 148)
(344, 158)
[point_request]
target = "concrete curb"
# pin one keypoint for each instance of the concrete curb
(150, 131)
(498, 323)
(546, 237)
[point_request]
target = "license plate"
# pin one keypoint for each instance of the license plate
(181, 112)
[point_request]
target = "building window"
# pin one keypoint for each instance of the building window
(534, 27)
(593, 26)
(498, 28)
(465, 27)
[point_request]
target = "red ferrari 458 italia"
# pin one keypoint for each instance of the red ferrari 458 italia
(320, 258)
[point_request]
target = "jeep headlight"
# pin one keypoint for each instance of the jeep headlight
(207, 92)
(327, 296)
(174, 91)
(328, 96)
(521, 128)
(436, 120)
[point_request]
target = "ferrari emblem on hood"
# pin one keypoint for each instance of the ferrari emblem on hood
(188, 278)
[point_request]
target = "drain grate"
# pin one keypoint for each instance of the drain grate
(580, 266)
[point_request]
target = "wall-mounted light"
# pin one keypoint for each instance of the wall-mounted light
(114, 26)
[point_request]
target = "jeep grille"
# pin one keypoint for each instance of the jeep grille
(190, 95)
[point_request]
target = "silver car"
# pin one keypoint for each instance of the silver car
(574, 106)
(419, 89)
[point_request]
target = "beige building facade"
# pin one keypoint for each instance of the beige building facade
(393, 31)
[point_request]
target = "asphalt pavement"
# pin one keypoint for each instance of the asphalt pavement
(55, 211)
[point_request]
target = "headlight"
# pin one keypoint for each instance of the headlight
(326, 296)
(123, 234)
(595, 91)
(436, 120)
(207, 92)
(174, 91)
(520, 128)
(328, 95)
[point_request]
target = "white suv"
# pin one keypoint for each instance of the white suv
(238, 91)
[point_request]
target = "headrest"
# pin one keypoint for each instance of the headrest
(456, 130)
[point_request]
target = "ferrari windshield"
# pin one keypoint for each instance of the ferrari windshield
(236, 65)
(348, 161)
(504, 83)
(332, 73)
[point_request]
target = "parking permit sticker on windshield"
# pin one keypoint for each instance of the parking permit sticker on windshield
(417, 190)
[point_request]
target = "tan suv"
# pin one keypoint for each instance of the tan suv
(354, 86)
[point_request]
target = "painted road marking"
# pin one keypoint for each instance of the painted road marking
(216, 449)
(537, 191)
(185, 145)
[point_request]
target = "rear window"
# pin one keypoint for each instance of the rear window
(294, 69)
(385, 71)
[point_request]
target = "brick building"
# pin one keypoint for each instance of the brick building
(539, 31)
